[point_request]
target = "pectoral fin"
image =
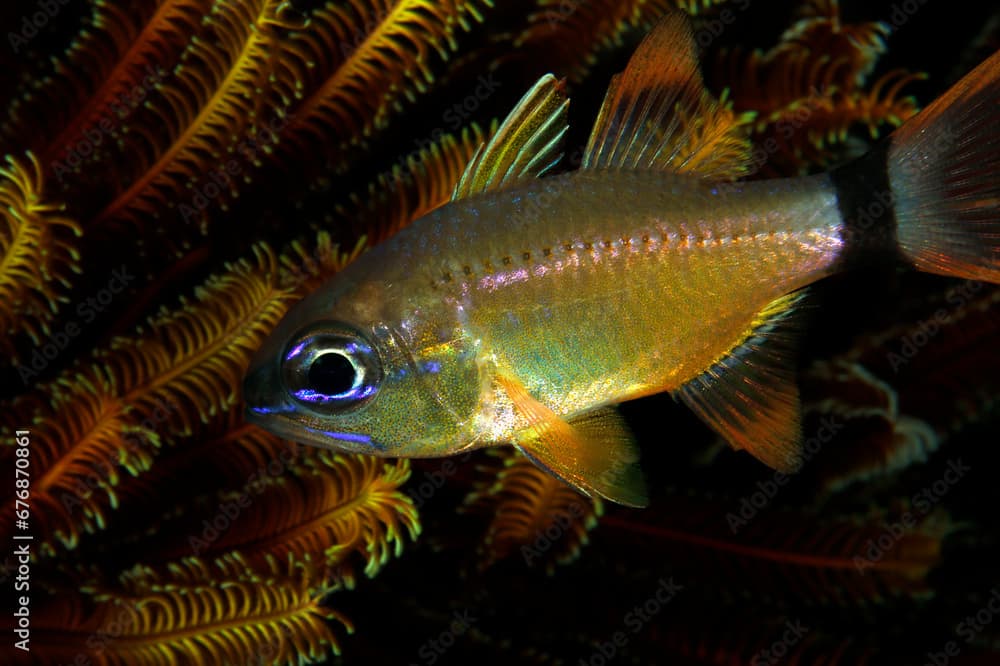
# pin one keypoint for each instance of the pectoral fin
(594, 453)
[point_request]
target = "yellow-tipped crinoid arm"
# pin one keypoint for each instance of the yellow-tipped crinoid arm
(37, 253)
(74, 116)
(229, 84)
(320, 509)
(813, 87)
(365, 61)
(196, 612)
(532, 514)
(177, 373)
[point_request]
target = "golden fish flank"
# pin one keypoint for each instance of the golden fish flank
(525, 309)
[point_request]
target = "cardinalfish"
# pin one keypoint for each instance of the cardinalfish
(525, 309)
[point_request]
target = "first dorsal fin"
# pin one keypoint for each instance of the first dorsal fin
(658, 115)
(528, 143)
(749, 396)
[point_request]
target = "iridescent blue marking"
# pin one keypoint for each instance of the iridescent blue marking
(354, 347)
(356, 438)
(267, 410)
(348, 436)
(296, 350)
(355, 393)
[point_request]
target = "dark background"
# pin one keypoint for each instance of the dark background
(524, 615)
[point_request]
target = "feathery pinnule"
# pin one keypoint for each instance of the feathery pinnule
(38, 252)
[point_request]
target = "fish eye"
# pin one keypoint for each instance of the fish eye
(331, 366)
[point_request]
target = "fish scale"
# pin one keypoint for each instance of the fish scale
(628, 294)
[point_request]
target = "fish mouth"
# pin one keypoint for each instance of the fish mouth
(261, 394)
(267, 404)
(266, 407)
(343, 441)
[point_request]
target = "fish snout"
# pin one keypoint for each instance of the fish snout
(262, 392)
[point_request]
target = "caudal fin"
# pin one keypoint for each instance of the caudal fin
(944, 168)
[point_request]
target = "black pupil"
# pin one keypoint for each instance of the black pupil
(331, 374)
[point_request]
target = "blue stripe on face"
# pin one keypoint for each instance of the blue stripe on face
(267, 410)
(352, 437)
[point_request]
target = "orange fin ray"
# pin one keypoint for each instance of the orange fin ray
(750, 395)
(944, 169)
(527, 144)
(657, 114)
(595, 453)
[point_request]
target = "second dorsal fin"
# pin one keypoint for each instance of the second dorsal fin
(658, 115)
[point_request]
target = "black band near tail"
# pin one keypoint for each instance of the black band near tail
(867, 206)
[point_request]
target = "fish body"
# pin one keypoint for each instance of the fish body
(526, 308)
(596, 302)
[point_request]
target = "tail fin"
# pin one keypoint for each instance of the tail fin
(944, 168)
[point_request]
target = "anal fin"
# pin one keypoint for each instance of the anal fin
(594, 453)
(750, 395)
